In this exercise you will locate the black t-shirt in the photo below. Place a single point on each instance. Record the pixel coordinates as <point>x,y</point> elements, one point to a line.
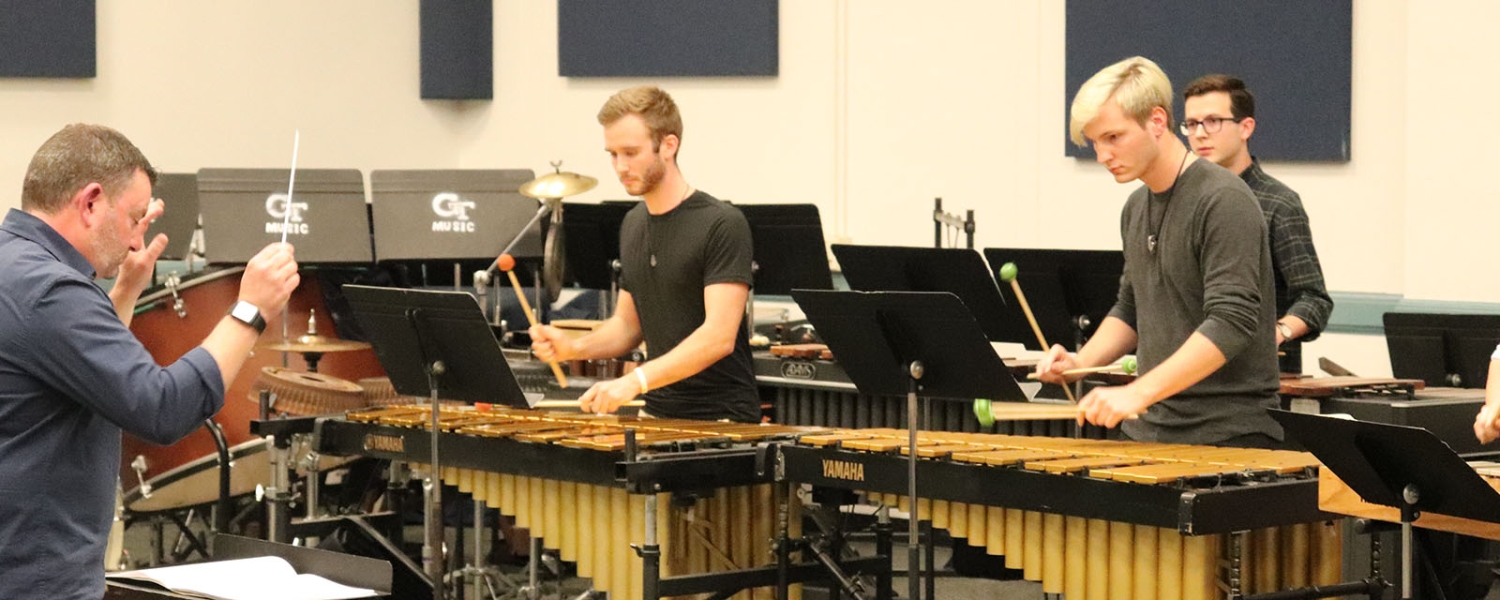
<point>666,262</point>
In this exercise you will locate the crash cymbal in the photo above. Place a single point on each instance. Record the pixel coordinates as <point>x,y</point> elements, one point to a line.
<point>314,343</point>
<point>558,184</point>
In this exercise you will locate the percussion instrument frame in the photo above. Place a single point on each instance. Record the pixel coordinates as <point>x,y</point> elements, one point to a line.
<point>1189,510</point>
<point>688,471</point>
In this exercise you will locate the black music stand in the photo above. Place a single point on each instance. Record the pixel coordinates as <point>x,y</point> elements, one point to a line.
<point>593,249</point>
<point>789,249</point>
<point>1406,468</point>
<point>1071,291</point>
<point>960,272</point>
<point>435,344</point>
<point>593,242</point>
<point>909,343</point>
<point>180,193</point>
<point>1445,350</point>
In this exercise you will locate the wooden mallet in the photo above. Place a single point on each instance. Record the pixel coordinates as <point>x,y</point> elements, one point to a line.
<point>507,263</point>
<point>574,404</point>
<point>1008,273</point>
<point>1127,366</point>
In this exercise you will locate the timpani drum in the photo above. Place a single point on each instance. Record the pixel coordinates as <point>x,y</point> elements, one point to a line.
<point>171,320</point>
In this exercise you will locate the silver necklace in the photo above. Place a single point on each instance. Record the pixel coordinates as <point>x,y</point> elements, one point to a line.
<point>1152,237</point>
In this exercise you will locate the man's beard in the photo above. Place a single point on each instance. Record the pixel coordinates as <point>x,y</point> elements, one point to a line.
<point>651,178</point>
<point>112,250</point>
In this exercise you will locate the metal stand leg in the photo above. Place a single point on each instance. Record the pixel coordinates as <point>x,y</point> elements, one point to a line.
<point>929,572</point>
<point>533,568</point>
<point>913,540</point>
<point>783,541</point>
<point>883,547</point>
<point>478,572</point>
<point>1410,496</point>
<point>650,554</point>
<point>278,495</point>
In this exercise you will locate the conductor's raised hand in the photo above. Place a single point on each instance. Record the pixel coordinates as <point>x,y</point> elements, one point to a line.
<point>1050,368</point>
<point>136,269</point>
<point>608,396</point>
<point>551,344</point>
<point>269,279</point>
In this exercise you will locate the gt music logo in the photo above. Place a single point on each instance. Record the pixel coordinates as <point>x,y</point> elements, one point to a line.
<point>454,211</point>
<point>280,208</point>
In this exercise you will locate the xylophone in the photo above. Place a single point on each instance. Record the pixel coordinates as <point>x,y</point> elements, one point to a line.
<point>591,486</point>
<point>1099,518</point>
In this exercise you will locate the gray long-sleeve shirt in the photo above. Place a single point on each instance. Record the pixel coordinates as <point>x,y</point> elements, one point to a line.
<point>71,377</point>
<point>1210,273</point>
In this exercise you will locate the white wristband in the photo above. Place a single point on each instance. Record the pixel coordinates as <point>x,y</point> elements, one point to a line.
<point>641,375</point>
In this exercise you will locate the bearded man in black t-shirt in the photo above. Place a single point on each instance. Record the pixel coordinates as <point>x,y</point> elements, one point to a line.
<point>684,280</point>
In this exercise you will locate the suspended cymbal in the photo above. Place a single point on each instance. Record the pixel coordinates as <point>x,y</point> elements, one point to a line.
<point>558,184</point>
<point>314,343</point>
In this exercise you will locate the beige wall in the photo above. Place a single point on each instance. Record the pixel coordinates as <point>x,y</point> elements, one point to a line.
<point>881,105</point>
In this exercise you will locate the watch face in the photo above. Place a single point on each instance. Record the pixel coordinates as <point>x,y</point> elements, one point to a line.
<point>245,311</point>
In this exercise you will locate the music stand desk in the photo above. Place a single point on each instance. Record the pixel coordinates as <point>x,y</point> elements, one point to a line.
<point>435,344</point>
<point>912,344</point>
<point>961,272</point>
<point>1406,469</point>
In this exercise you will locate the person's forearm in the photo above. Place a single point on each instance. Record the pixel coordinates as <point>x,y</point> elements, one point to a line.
<point>1196,359</point>
<point>698,351</point>
<point>1294,326</point>
<point>612,339</point>
<point>1113,339</point>
<point>230,343</point>
<point>124,300</point>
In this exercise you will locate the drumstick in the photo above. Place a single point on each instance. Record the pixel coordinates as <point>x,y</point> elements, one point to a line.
<point>1008,273</point>
<point>1127,366</point>
<point>574,403</point>
<point>507,263</point>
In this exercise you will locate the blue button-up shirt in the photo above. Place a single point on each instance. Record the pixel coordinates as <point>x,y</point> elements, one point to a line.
<point>71,377</point>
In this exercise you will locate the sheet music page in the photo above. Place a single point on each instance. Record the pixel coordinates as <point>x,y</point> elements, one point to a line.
<point>259,578</point>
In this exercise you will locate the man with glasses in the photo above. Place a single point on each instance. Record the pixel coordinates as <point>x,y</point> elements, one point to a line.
<point>1195,296</point>
<point>1219,118</point>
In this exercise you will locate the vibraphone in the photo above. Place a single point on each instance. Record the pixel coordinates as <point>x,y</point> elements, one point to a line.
<point>806,387</point>
<point>591,490</point>
<point>1098,518</point>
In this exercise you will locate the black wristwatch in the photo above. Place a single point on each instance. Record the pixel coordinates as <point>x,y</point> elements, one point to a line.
<point>248,314</point>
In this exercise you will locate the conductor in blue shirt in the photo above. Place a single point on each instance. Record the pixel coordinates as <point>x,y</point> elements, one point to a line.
<point>72,376</point>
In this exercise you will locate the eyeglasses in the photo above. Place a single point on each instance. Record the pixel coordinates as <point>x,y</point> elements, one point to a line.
<point>1210,124</point>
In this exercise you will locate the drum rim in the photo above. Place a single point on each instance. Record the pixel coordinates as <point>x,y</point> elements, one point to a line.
<point>160,291</point>
<point>192,467</point>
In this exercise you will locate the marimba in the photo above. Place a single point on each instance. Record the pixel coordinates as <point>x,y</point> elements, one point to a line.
<point>591,487</point>
<point>1099,518</point>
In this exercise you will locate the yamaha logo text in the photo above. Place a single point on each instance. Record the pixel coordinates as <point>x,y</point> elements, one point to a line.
<point>385,443</point>
<point>843,469</point>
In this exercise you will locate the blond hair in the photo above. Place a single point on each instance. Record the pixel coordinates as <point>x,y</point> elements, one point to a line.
<point>653,105</point>
<point>1136,83</point>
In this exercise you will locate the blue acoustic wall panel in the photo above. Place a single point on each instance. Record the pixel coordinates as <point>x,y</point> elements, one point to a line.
<point>667,38</point>
<point>47,38</point>
<point>1294,55</point>
<point>458,49</point>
